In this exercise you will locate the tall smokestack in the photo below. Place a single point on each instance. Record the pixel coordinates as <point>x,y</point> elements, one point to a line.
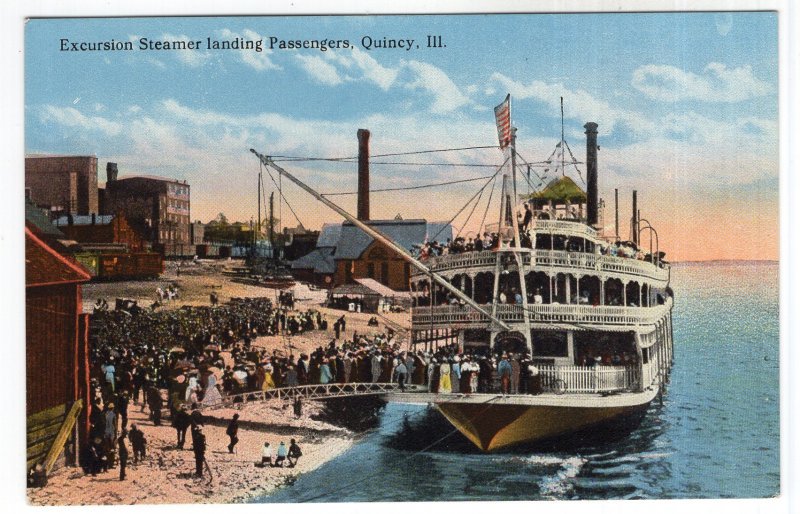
<point>591,172</point>
<point>363,174</point>
<point>635,220</point>
<point>111,172</point>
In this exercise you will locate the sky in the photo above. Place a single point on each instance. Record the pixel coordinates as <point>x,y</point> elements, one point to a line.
<point>686,103</point>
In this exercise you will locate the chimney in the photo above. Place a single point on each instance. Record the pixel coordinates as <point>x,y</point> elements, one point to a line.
<point>111,172</point>
<point>363,174</point>
<point>591,172</point>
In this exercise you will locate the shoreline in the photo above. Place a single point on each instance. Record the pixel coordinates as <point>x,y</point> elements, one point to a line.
<point>166,474</point>
<point>165,477</point>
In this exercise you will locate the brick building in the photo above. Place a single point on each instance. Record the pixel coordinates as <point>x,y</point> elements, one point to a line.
<point>345,253</point>
<point>157,208</point>
<point>102,230</point>
<point>62,183</point>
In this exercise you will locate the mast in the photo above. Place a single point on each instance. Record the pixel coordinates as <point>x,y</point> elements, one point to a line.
<point>402,252</point>
<point>509,239</point>
<point>563,166</point>
<point>257,235</point>
<point>271,225</point>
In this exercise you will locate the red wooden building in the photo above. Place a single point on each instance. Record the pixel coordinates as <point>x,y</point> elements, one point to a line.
<point>57,371</point>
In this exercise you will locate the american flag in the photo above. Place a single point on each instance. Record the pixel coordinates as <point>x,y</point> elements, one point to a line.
<point>502,113</point>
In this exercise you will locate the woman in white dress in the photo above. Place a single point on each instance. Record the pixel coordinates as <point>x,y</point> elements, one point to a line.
<point>212,395</point>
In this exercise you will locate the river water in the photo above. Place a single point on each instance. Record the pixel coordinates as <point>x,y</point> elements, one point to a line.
<point>716,435</point>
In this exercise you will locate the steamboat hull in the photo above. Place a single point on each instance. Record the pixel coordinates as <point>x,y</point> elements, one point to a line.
<point>507,423</point>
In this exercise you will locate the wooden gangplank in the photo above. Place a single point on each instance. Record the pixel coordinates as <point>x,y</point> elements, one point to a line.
<point>312,392</point>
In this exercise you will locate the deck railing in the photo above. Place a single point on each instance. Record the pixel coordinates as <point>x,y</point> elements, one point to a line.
<point>583,379</point>
<point>552,259</point>
<point>457,316</point>
<point>307,392</point>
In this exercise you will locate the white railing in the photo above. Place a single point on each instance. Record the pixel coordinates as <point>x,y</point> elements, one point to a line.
<point>570,228</point>
<point>552,259</point>
<point>310,392</point>
<point>583,379</point>
<point>649,372</point>
<point>460,260</point>
<point>456,316</point>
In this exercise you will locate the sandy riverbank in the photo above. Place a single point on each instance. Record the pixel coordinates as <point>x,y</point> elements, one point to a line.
<point>166,475</point>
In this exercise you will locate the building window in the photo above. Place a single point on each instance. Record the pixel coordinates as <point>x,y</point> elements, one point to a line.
<point>385,273</point>
<point>371,270</point>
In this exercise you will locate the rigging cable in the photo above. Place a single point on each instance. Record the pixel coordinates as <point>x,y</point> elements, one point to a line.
<point>412,187</point>
<point>280,192</point>
<point>284,158</point>
<point>470,200</point>
<point>339,487</point>
<point>575,165</point>
<point>488,204</point>
<point>470,214</point>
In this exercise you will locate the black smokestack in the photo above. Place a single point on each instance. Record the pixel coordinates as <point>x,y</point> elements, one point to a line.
<point>111,172</point>
<point>591,172</point>
<point>363,174</point>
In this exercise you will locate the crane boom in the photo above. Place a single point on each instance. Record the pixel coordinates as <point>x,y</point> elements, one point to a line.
<point>383,239</point>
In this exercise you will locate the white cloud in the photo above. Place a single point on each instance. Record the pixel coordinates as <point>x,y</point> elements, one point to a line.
<point>335,68</point>
<point>579,104</point>
<point>373,71</point>
<point>446,95</point>
<point>259,61</point>
<point>320,69</point>
<point>718,83</point>
<point>71,117</point>
<point>191,58</point>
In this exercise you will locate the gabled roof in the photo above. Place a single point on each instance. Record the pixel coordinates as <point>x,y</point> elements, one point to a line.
<point>406,233</point>
<point>319,259</point>
<point>40,221</point>
<point>44,266</point>
<point>329,235</point>
<point>380,288</point>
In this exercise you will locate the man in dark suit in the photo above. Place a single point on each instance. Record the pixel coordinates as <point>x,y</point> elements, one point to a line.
<point>232,432</point>
<point>199,448</point>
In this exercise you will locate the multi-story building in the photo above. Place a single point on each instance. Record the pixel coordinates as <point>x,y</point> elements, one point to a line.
<point>62,184</point>
<point>156,207</point>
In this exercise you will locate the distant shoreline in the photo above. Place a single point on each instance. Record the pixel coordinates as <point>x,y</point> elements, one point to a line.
<point>728,261</point>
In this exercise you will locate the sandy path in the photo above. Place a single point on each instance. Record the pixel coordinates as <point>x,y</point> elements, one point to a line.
<point>166,474</point>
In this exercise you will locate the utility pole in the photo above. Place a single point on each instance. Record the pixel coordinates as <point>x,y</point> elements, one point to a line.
<point>271,223</point>
<point>258,227</point>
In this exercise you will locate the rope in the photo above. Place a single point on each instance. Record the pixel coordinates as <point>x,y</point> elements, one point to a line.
<point>575,164</point>
<point>280,191</point>
<point>487,208</point>
<point>438,184</point>
<point>470,213</point>
<point>340,486</point>
<point>285,158</point>
<point>470,200</point>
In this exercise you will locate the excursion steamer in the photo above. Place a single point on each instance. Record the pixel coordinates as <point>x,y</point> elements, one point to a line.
<point>590,312</point>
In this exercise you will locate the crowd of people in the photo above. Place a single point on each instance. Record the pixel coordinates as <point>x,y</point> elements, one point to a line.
<point>196,354</point>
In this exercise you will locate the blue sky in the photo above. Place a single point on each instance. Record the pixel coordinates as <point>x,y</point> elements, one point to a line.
<point>686,103</point>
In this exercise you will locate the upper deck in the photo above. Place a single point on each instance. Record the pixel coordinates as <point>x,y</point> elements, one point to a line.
<point>602,316</point>
<point>554,261</point>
